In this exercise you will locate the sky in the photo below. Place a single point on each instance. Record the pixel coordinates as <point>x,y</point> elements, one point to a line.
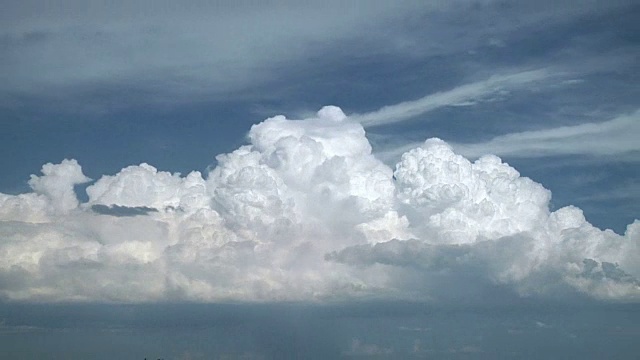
<point>376,166</point>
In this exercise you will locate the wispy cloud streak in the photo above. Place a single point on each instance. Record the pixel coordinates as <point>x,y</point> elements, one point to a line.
<point>463,95</point>
<point>616,136</point>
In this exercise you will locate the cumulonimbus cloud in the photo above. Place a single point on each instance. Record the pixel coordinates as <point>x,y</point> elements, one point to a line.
<point>305,212</point>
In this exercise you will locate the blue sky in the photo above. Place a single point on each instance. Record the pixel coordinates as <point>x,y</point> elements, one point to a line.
<point>125,84</point>
<point>319,205</point>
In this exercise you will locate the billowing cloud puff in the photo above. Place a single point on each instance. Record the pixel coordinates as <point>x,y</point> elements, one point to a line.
<point>52,194</point>
<point>144,185</point>
<point>463,201</point>
<point>306,212</point>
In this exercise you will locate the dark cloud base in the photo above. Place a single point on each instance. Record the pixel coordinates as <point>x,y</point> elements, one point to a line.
<point>115,210</point>
<point>368,330</point>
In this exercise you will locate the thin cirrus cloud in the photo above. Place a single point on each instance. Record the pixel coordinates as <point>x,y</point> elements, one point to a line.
<point>611,137</point>
<point>463,95</point>
<point>306,212</point>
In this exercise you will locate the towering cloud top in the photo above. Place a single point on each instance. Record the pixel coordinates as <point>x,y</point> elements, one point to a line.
<point>306,212</point>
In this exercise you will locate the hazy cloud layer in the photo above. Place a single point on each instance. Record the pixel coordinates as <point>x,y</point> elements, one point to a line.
<point>168,54</point>
<point>306,212</point>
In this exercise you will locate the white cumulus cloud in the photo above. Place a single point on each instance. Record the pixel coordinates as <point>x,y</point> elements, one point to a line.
<point>306,212</point>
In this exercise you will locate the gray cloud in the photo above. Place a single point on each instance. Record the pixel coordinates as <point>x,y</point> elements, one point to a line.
<point>408,253</point>
<point>116,210</point>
